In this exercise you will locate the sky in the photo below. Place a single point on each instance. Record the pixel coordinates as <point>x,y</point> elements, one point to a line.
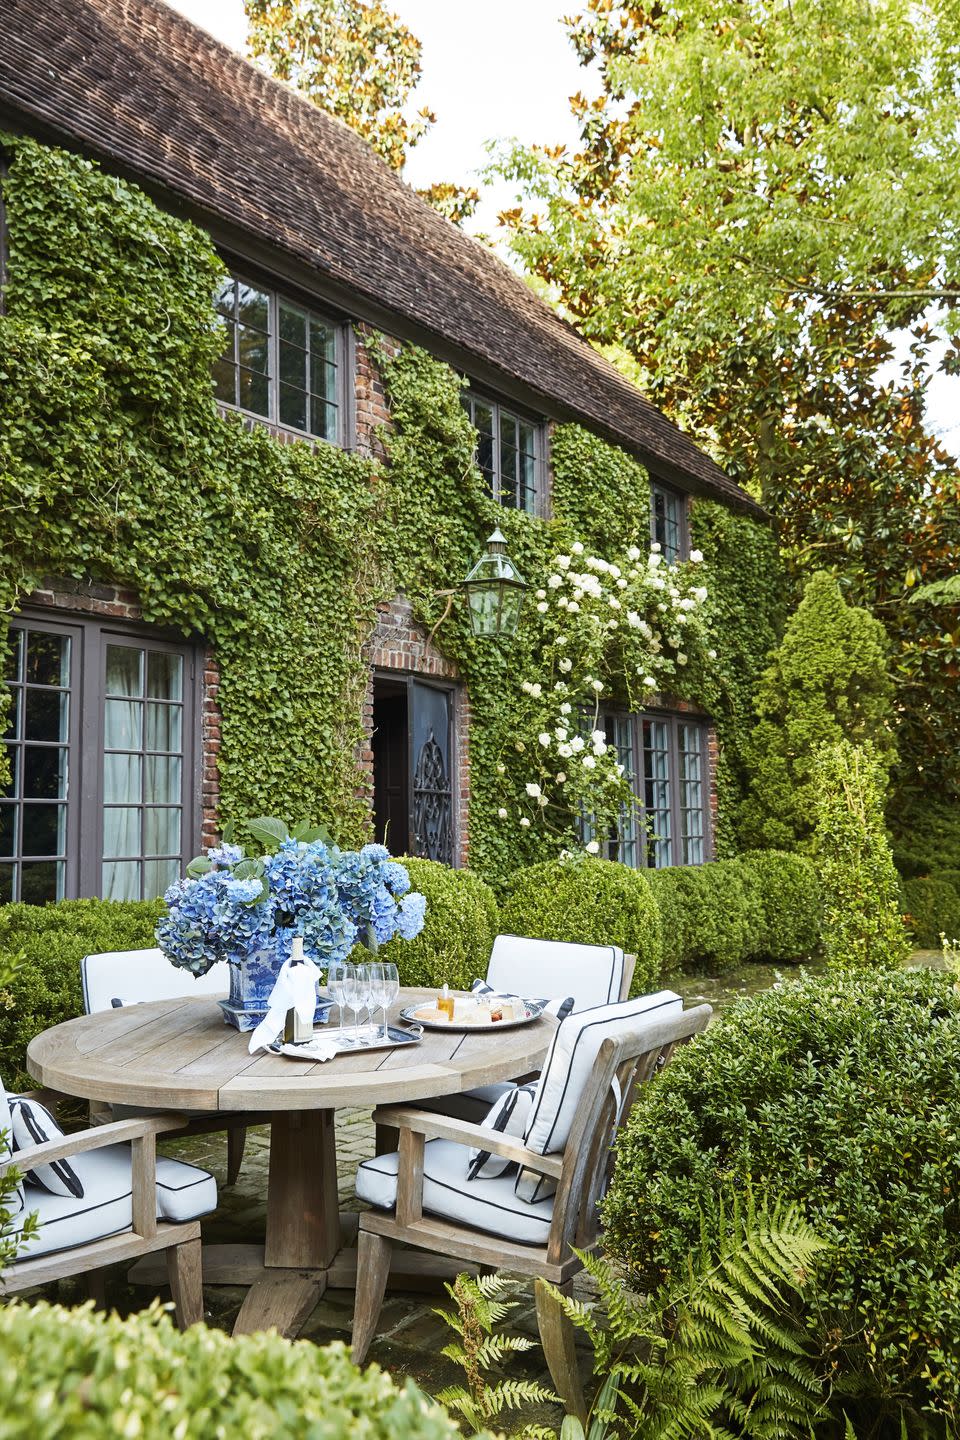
<point>501,71</point>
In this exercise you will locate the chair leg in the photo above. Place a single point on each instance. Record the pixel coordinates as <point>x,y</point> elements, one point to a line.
<point>186,1282</point>
<point>373,1267</point>
<point>236,1140</point>
<point>556,1337</point>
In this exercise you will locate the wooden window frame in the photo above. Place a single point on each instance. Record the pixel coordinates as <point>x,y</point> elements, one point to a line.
<point>682,499</point>
<point>672,719</point>
<point>473,396</point>
<point>343,353</point>
<point>90,636</point>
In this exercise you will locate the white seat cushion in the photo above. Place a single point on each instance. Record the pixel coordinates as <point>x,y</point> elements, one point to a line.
<point>488,1205</point>
<point>592,974</point>
<point>570,1059</point>
<point>184,1192</point>
<point>115,978</point>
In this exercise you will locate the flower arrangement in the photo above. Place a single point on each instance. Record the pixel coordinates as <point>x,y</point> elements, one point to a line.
<point>609,633</point>
<point>247,909</point>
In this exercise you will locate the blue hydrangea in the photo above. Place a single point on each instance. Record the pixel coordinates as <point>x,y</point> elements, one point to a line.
<point>329,897</point>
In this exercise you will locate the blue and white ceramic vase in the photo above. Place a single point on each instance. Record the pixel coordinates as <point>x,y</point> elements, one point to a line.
<point>251,985</point>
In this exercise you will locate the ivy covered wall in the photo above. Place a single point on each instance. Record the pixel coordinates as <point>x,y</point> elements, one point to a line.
<point>117,466</point>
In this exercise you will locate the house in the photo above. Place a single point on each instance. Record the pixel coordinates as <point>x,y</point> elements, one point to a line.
<point>128,737</point>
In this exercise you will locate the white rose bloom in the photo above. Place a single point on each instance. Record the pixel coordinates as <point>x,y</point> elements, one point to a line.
<point>564,751</point>
<point>592,847</point>
<point>501,768</point>
<point>563,562</point>
<point>649,681</point>
<point>561,639</point>
<point>597,685</point>
<point>576,548</point>
<point>711,654</point>
<point>633,553</point>
<point>561,778</point>
<point>653,560</point>
<point>524,823</point>
<point>655,645</point>
<point>696,556</point>
<point>688,604</point>
<point>614,603</point>
<point>555,582</point>
<point>681,658</point>
<point>501,813</point>
<point>541,594</point>
<point>542,607</point>
<point>544,739</point>
<point>673,592</point>
<point>566,666</point>
<point>612,625</point>
<point>614,571</point>
<point>536,690</point>
<point>565,708</point>
<point>700,593</point>
<point>533,789</point>
<point>561,688</point>
<point>577,744</point>
<point>657,584</point>
<point>578,594</point>
<point>644,629</point>
<point>598,737</point>
<point>561,731</point>
<point>526,687</point>
<point>655,547</point>
<point>588,762</point>
<point>600,749</point>
<point>621,583</point>
<point>682,618</point>
<point>620,769</point>
<point>573,607</point>
<point>563,602</point>
<point>542,801</point>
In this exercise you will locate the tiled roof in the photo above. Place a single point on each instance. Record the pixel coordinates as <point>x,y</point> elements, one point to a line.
<point>137,85</point>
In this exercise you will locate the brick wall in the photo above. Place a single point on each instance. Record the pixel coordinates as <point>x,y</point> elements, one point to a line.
<point>399,644</point>
<point>370,396</point>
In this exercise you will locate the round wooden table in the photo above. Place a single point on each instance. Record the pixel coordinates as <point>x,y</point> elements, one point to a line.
<point>179,1055</point>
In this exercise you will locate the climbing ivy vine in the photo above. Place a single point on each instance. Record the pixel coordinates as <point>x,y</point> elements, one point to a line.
<point>116,465</point>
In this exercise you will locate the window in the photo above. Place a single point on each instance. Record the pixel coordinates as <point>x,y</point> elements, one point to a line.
<point>664,758</point>
<point>508,451</point>
<point>668,522</point>
<point>101,747</point>
<point>280,360</point>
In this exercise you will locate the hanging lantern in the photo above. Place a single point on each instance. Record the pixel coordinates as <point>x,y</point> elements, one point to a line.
<point>494,590</point>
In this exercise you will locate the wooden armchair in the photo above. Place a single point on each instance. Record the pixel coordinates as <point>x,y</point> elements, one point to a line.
<point>568,1218</point>
<point>123,1196</point>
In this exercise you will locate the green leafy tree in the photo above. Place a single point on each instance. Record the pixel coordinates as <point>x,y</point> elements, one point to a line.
<point>862,924</point>
<point>828,681</point>
<point>354,58</point>
<point>761,197</point>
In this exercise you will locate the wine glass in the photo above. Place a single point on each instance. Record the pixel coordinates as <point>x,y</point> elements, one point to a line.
<point>358,997</point>
<point>339,977</point>
<point>391,989</point>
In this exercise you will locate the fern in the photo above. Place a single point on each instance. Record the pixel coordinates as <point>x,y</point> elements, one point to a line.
<point>479,1308</point>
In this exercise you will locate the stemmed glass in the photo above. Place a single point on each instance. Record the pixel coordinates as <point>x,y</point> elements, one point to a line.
<point>341,978</point>
<point>384,989</point>
<point>360,991</point>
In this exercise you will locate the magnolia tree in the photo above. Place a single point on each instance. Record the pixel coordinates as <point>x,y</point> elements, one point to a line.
<point>610,634</point>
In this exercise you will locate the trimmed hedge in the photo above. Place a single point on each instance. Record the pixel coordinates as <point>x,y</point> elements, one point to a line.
<point>78,1373</point>
<point>926,835</point>
<point>932,905</point>
<point>592,901</point>
<point>790,902</point>
<point>50,941</point>
<point>458,934</point>
<point>839,1095</point>
<point>715,911</point>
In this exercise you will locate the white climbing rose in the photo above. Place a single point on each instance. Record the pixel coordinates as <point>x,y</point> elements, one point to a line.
<point>533,789</point>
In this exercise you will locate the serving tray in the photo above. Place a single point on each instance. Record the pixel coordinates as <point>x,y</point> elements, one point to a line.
<point>314,1051</point>
<point>418,1015</point>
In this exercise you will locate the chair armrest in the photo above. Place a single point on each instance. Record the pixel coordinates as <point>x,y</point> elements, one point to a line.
<point>443,1127</point>
<point>96,1139</point>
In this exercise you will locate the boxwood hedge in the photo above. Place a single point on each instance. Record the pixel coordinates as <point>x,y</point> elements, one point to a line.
<point>839,1095</point>
<point>593,901</point>
<point>83,1375</point>
<point>458,934</point>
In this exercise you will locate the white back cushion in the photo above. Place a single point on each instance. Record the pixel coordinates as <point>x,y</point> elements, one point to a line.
<point>573,1050</point>
<point>15,1198</point>
<point>592,974</point>
<point>132,976</point>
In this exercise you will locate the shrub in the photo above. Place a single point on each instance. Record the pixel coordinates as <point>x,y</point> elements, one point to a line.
<point>862,921</point>
<point>828,681</point>
<point>595,902</point>
<point>51,940</point>
<point>461,925</point>
<point>838,1095</point>
<point>790,902</point>
<point>713,914</point>
<point>932,904</point>
<point>926,835</point>
<point>68,1373</point>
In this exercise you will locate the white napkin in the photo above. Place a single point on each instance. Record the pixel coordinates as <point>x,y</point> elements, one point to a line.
<point>296,989</point>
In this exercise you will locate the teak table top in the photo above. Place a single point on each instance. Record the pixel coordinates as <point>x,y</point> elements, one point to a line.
<point>179,1055</point>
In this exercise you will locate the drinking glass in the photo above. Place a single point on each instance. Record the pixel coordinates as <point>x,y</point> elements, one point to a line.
<point>360,990</point>
<point>391,989</point>
<point>341,979</point>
